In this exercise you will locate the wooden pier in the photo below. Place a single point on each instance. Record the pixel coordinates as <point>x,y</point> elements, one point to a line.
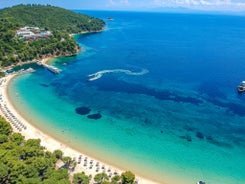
<point>51,68</point>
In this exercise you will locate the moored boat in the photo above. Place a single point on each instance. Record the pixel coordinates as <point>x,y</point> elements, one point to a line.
<point>200,182</point>
<point>241,87</point>
<point>53,69</point>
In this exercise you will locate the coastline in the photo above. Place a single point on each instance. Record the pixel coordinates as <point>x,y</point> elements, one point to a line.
<point>48,59</point>
<point>199,158</point>
<point>51,143</point>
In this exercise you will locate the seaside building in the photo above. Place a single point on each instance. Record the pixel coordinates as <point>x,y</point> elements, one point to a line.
<point>32,33</point>
<point>30,28</point>
<point>59,164</point>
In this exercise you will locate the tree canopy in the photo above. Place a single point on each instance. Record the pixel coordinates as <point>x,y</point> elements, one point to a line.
<point>128,177</point>
<point>52,18</point>
<point>26,161</point>
<point>81,178</point>
<point>59,21</point>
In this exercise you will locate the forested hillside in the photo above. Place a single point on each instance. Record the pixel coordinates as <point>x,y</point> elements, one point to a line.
<point>14,50</point>
<point>52,18</point>
<point>27,162</point>
<point>59,21</point>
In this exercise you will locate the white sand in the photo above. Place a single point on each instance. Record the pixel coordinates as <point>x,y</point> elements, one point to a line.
<point>51,144</point>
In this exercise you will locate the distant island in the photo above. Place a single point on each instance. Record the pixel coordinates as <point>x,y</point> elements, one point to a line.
<point>45,32</point>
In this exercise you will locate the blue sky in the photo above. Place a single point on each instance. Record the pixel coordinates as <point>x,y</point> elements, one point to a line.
<point>224,5</point>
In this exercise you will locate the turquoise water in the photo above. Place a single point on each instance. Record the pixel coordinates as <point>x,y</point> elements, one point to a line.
<point>180,122</point>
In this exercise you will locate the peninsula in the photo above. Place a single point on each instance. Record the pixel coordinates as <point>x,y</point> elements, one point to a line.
<point>54,26</point>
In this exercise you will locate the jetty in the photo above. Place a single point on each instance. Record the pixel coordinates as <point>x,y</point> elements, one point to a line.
<point>51,68</point>
<point>241,87</point>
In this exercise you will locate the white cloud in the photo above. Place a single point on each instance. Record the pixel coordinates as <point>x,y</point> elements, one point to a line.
<point>227,4</point>
<point>111,2</point>
<point>115,3</point>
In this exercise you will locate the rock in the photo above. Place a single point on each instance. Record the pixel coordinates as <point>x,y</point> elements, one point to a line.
<point>199,135</point>
<point>94,116</point>
<point>83,110</point>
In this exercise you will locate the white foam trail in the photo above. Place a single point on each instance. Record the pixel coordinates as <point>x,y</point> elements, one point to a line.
<point>97,75</point>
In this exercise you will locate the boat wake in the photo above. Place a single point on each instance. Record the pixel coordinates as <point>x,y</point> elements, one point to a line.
<point>97,75</point>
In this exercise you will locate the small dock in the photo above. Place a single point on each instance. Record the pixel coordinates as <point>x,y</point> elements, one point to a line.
<point>51,68</point>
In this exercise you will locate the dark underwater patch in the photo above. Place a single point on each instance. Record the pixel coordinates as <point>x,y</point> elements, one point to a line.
<point>44,85</point>
<point>95,116</point>
<point>219,143</point>
<point>209,138</point>
<point>147,122</point>
<point>189,128</point>
<point>211,90</point>
<point>111,84</point>
<point>186,137</point>
<point>199,135</point>
<point>232,107</point>
<point>83,110</point>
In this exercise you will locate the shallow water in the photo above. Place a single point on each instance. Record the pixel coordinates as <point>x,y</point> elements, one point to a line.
<point>183,118</point>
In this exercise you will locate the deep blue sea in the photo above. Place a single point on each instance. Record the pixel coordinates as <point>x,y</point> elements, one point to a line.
<point>164,103</point>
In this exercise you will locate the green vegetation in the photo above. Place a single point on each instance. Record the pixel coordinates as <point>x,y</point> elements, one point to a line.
<point>51,18</point>
<point>101,177</point>
<point>13,50</point>
<point>2,74</point>
<point>81,178</point>
<point>128,177</point>
<point>115,179</point>
<point>27,162</point>
<point>60,21</point>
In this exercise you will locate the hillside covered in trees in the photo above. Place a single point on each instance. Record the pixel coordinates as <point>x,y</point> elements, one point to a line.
<point>27,162</point>
<point>59,21</point>
<point>52,18</point>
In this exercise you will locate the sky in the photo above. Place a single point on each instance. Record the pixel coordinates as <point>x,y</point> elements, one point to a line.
<point>209,5</point>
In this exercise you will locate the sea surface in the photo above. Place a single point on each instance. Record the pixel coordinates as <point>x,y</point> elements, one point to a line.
<point>164,103</point>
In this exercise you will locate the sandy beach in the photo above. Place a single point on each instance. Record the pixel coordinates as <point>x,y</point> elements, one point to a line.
<point>88,164</point>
